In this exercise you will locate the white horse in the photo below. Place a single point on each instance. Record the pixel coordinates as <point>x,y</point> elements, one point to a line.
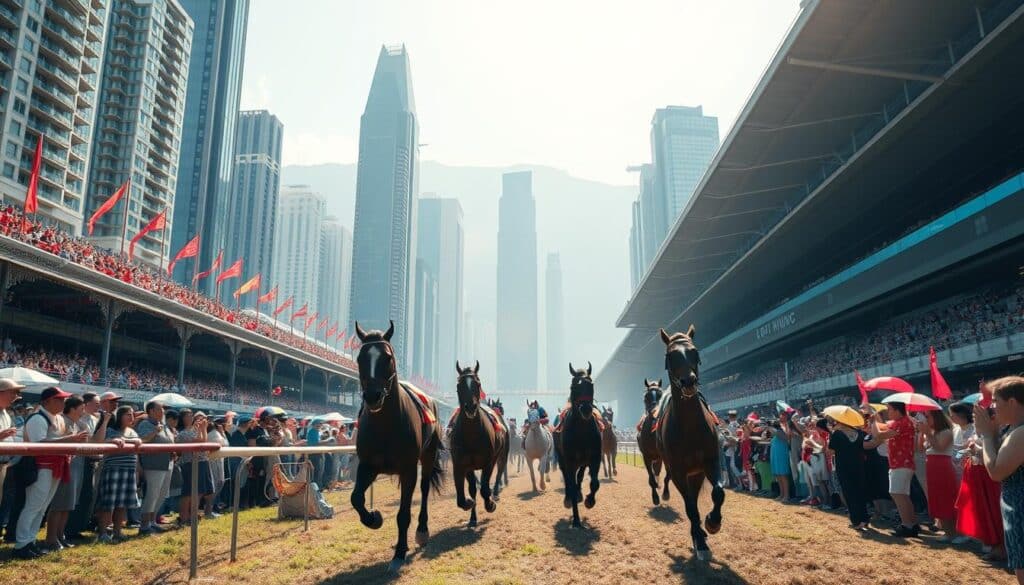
<point>538,446</point>
<point>516,452</point>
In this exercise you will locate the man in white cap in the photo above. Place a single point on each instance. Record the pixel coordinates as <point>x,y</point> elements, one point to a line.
<point>109,401</point>
<point>44,427</point>
<point>10,391</point>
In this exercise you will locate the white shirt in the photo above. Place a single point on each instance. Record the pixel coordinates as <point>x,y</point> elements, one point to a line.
<point>44,428</point>
<point>6,422</point>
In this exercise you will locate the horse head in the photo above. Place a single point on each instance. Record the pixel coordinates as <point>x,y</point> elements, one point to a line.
<point>468,388</point>
<point>682,361</point>
<point>581,391</point>
<point>378,370</point>
<point>496,406</point>
<point>652,394</point>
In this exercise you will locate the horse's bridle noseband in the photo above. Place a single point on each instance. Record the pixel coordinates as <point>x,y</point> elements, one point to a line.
<point>472,376</point>
<point>386,387</point>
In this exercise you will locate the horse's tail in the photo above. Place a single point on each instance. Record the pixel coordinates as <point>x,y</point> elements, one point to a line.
<point>437,471</point>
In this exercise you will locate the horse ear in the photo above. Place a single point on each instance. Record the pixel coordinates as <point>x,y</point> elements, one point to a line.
<point>390,331</point>
<point>476,370</point>
<point>646,383</point>
<point>691,331</point>
<point>458,370</point>
<point>659,383</point>
<point>665,338</point>
<point>360,333</point>
<point>590,369</point>
<point>572,370</point>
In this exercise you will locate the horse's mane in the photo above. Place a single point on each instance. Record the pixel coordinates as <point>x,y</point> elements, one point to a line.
<point>374,335</point>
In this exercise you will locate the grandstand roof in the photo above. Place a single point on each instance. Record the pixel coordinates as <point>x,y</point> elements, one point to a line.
<point>856,116</point>
<point>832,81</point>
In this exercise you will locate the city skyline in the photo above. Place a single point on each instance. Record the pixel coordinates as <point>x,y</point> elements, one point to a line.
<point>518,320</point>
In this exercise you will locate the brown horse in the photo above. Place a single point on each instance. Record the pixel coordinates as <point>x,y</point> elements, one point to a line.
<point>578,443</point>
<point>475,444</point>
<point>687,438</point>
<point>609,444</point>
<point>502,478</point>
<point>396,434</point>
<point>648,443</point>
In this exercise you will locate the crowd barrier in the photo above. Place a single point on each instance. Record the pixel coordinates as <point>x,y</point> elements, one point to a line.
<point>215,451</point>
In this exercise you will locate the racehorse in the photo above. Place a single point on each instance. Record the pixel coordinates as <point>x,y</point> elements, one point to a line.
<point>609,444</point>
<point>538,447</point>
<point>516,453</point>
<point>687,439</point>
<point>502,478</point>
<point>579,443</point>
<point>478,441</point>
<point>648,443</point>
<point>397,430</point>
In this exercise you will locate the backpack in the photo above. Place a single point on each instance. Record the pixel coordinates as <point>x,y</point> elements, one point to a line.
<point>26,470</point>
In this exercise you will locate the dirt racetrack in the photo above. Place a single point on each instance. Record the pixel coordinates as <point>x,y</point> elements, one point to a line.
<point>529,540</point>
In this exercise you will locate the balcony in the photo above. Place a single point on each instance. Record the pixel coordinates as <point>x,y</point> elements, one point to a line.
<point>9,16</point>
<point>159,168</point>
<point>77,169</point>
<point>90,65</point>
<point>8,39</point>
<point>55,73</point>
<point>51,113</point>
<point>61,35</point>
<point>81,151</point>
<point>74,22</point>
<point>92,48</point>
<point>54,92</point>
<point>5,60</point>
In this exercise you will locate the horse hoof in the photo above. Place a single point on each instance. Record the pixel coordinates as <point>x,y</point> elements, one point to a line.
<point>703,555</point>
<point>395,567</point>
<point>657,501</point>
<point>375,521</point>
<point>576,523</point>
<point>712,527</point>
<point>422,536</point>
<point>590,501</point>
<point>472,524</point>
<point>490,506</point>
<point>615,472</point>
<point>567,502</point>
<point>665,495</point>
<point>468,505</point>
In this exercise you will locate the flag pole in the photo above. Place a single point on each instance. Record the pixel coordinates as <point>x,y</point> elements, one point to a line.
<point>163,242</point>
<point>124,222</point>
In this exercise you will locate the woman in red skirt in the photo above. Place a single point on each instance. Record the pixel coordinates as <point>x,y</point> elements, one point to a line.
<point>977,504</point>
<point>937,439</point>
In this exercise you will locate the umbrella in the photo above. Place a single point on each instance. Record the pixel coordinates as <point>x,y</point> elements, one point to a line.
<point>172,400</point>
<point>914,402</point>
<point>890,383</point>
<point>877,407</point>
<point>273,410</point>
<point>27,376</point>
<point>783,407</point>
<point>331,417</point>
<point>844,414</point>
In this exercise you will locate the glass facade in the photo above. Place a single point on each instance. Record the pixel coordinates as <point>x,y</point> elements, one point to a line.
<point>517,284</point>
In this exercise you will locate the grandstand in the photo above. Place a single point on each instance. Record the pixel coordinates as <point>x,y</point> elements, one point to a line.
<point>863,208</point>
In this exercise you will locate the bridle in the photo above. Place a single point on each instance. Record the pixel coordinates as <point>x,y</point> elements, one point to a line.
<point>580,401</point>
<point>677,383</point>
<point>470,375</point>
<point>386,386</point>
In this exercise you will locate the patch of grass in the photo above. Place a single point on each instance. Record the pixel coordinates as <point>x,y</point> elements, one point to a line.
<point>530,549</point>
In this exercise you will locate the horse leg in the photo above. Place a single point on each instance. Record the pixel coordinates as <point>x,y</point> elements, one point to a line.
<point>471,479</point>
<point>460,473</point>
<point>544,469</point>
<point>690,496</point>
<point>615,457</point>
<point>595,483</point>
<point>580,473</point>
<point>652,480</point>
<point>533,480</point>
<point>485,487</point>
<point>408,486</point>
<point>607,465</point>
<point>665,493</point>
<point>364,478</point>
<point>426,470</point>
<point>714,518</point>
<point>570,490</point>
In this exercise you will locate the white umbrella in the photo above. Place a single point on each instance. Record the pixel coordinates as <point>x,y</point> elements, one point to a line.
<point>27,376</point>
<point>915,402</point>
<point>172,400</point>
<point>332,417</point>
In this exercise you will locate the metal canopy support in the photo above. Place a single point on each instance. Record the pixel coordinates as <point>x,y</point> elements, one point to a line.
<point>767,128</point>
<point>722,196</point>
<point>778,163</point>
<point>327,383</point>
<point>235,348</point>
<point>112,310</point>
<point>185,333</point>
<point>272,365</point>
<point>856,69</point>
<point>303,368</point>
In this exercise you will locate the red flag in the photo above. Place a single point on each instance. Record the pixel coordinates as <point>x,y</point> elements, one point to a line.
<point>156,224</point>
<point>109,204</point>
<point>233,271</point>
<point>32,196</point>
<point>330,332</point>
<point>287,303</point>
<point>252,283</point>
<point>309,321</point>
<point>341,335</point>
<point>301,312</point>
<point>940,389</point>
<point>266,298</point>
<point>860,386</point>
<point>986,394</point>
<point>322,324</point>
<point>189,250</point>
<point>215,266</point>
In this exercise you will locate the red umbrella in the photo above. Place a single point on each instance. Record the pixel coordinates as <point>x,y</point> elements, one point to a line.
<point>890,383</point>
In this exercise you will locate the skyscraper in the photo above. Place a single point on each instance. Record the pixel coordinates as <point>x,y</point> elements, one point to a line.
<point>425,335</point>
<point>387,188</point>
<point>297,245</point>
<point>335,270</point>
<point>252,222</point>
<point>654,220</point>
<point>683,142</point>
<point>141,108</point>
<point>636,247</point>
<point>554,312</point>
<point>440,245</point>
<point>50,78</point>
<point>202,199</point>
<point>517,284</point>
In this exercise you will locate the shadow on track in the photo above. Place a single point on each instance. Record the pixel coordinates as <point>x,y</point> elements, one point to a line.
<point>452,538</point>
<point>529,495</point>
<point>694,571</point>
<point>664,514</point>
<point>376,573</point>
<point>576,540</point>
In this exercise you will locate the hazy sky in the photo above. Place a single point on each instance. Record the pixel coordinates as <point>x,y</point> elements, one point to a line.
<point>566,83</point>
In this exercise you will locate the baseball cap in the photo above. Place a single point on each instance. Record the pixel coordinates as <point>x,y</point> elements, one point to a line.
<point>731,413</point>
<point>244,419</point>
<point>53,392</point>
<point>110,396</point>
<point>220,420</point>
<point>9,384</point>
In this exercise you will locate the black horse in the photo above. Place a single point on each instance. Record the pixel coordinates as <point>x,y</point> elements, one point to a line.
<point>648,443</point>
<point>395,434</point>
<point>476,443</point>
<point>687,438</point>
<point>499,409</point>
<point>578,444</point>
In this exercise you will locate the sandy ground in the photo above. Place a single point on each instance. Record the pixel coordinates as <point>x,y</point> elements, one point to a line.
<point>529,540</point>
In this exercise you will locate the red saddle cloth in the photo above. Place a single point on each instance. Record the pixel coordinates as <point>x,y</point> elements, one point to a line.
<point>491,415</point>
<point>423,403</point>
<point>597,420</point>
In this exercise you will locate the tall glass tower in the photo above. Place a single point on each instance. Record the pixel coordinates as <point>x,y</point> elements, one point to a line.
<point>387,190</point>
<point>517,283</point>
<point>203,198</point>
